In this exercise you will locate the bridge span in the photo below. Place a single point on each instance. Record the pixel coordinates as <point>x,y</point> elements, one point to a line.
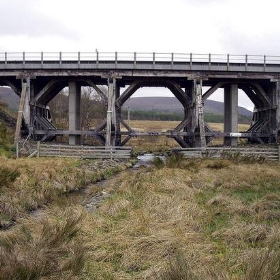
<point>38,77</point>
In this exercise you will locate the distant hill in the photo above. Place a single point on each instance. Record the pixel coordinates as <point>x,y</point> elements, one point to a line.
<point>172,105</point>
<point>9,97</point>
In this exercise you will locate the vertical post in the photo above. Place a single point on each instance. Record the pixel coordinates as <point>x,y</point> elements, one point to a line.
<point>246,62</point>
<point>278,152</point>
<point>264,63</point>
<point>6,58</point>
<point>117,115</point>
<point>277,102</point>
<point>154,58</point>
<point>172,59</point>
<point>110,109</point>
<point>60,57</point>
<point>227,62</point>
<point>231,113</point>
<point>97,58</point>
<point>74,113</point>
<point>79,58</point>
<point>200,114</point>
<point>23,58</point>
<point>17,149</point>
<point>38,148</point>
<point>209,58</point>
<point>191,61</point>
<point>116,58</point>
<point>128,111</point>
<point>42,58</point>
<point>134,59</point>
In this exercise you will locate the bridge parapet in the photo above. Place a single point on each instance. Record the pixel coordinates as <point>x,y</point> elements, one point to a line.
<point>140,60</point>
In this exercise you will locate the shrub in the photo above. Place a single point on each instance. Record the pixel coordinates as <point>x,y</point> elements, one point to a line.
<point>175,160</point>
<point>158,162</point>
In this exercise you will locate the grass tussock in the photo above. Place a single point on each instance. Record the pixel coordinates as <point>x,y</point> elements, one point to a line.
<point>54,250</point>
<point>263,264</point>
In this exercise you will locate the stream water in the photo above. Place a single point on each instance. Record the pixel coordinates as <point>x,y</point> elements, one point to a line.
<point>146,160</point>
<point>92,195</point>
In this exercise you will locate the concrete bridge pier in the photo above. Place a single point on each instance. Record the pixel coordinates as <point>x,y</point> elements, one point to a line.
<point>74,112</point>
<point>230,113</point>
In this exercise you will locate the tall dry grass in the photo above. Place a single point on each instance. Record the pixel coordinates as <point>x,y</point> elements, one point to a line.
<point>191,219</point>
<point>213,212</point>
<point>50,249</point>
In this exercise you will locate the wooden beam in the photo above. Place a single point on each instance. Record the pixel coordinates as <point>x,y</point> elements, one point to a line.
<point>20,113</point>
<point>210,91</point>
<point>98,90</point>
<point>200,114</point>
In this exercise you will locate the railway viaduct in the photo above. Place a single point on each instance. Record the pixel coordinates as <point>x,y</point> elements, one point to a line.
<point>38,77</point>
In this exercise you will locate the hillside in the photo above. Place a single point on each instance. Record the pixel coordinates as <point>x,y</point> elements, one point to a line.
<point>172,105</point>
<point>9,97</point>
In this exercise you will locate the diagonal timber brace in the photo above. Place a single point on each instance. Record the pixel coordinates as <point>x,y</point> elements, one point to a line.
<point>98,90</point>
<point>211,90</point>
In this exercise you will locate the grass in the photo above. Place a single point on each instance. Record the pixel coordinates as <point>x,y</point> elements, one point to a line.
<point>156,223</point>
<point>6,141</point>
<point>50,249</point>
<point>192,208</point>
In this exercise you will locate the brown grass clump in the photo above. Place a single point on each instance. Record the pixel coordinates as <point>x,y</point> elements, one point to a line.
<point>263,264</point>
<point>52,250</point>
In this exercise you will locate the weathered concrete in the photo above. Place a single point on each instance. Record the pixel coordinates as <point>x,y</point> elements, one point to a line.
<point>74,112</point>
<point>231,113</point>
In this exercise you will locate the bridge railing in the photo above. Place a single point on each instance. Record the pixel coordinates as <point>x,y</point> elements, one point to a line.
<point>151,57</point>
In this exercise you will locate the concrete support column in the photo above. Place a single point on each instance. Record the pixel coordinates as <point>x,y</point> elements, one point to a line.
<point>74,112</point>
<point>231,113</point>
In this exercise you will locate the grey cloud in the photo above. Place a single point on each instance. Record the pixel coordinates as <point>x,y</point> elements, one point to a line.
<point>246,43</point>
<point>22,18</point>
<point>204,2</point>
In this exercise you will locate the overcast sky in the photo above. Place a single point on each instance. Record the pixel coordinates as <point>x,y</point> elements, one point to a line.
<point>197,26</point>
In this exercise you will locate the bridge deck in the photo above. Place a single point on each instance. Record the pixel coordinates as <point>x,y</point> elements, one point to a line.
<point>139,61</point>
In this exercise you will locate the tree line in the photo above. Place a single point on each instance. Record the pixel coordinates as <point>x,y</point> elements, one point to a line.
<point>171,116</point>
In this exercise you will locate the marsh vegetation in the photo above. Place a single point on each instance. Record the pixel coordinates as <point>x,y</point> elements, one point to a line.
<point>179,219</point>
